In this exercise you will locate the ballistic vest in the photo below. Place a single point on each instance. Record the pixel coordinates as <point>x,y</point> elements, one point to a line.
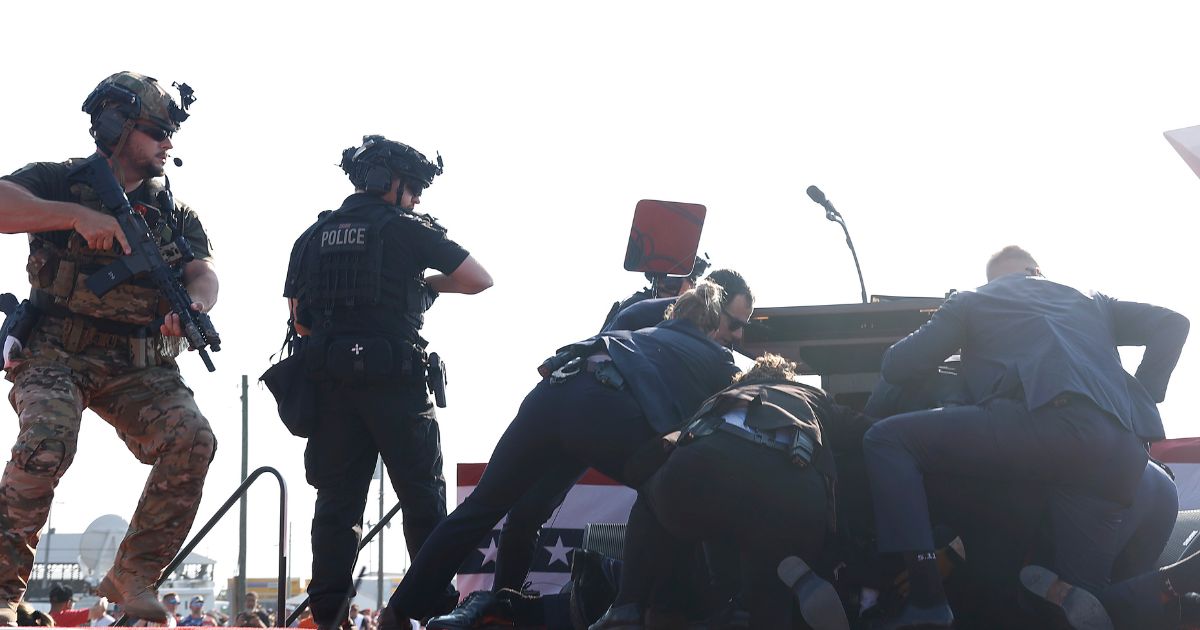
<point>60,263</point>
<point>343,282</point>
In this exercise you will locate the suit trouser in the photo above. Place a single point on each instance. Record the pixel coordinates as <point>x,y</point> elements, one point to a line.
<point>1090,464</point>
<point>1135,599</point>
<point>724,487</point>
<point>559,431</point>
<point>357,424</point>
<point>522,528</point>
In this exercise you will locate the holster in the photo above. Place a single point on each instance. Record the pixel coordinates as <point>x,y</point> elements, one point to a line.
<point>20,319</point>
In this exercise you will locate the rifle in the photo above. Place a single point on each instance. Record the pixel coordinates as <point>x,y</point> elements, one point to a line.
<point>145,257</point>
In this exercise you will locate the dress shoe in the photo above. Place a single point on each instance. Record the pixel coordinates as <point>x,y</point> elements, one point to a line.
<point>481,609</point>
<point>623,617</point>
<point>819,602</point>
<point>1069,604</point>
<point>136,595</point>
<point>936,616</point>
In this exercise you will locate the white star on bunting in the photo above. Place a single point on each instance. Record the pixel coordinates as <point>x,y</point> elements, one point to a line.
<point>558,552</point>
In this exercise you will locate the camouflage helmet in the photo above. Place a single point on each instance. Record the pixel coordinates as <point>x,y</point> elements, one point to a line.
<point>372,165</point>
<point>139,97</point>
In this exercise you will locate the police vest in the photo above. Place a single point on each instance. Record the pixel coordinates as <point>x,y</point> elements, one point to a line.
<point>61,269</point>
<point>344,282</point>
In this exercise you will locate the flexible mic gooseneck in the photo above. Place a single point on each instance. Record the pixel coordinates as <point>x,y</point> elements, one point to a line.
<point>832,214</point>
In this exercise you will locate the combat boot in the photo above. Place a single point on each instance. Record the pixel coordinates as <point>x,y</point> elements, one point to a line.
<point>136,595</point>
<point>8,612</point>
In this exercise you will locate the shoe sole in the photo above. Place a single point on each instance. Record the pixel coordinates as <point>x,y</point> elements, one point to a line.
<point>819,602</point>
<point>1081,609</point>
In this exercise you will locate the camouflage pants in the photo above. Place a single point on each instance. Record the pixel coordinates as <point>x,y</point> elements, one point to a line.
<point>153,412</point>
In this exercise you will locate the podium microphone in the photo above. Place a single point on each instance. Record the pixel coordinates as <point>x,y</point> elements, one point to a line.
<point>816,195</point>
<point>832,214</point>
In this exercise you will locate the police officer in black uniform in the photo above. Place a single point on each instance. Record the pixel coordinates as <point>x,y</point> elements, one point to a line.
<point>357,291</point>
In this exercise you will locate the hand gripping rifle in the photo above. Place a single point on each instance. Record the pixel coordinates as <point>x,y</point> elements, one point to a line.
<point>145,257</point>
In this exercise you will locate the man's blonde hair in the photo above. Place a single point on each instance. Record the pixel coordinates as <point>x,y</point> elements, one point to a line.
<point>1012,253</point>
<point>768,367</point>
<point>701,305</point>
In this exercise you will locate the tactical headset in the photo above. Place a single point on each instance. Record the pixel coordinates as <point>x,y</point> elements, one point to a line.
<point>109,125</point>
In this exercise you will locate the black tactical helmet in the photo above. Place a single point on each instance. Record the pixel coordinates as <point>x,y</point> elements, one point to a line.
<point>698,268</point>
<point>372,166</point>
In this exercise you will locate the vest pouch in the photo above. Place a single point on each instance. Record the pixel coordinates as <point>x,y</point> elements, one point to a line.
<point>41,268</point>
<point>359,359</point>
<point>126,303</point>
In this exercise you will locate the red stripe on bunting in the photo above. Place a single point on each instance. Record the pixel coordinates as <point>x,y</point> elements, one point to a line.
<point>469,474</point>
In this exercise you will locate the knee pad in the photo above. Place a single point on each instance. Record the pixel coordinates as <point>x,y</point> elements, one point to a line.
<point>44,451</point>
<point>198,444</point>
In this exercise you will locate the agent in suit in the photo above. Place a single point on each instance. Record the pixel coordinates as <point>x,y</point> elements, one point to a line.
<point>1054,406</point>
<point>607,397</point>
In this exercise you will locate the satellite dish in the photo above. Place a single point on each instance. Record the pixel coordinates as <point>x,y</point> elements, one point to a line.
<point>99,542</point>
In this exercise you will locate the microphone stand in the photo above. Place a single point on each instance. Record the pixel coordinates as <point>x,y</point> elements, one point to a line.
<point>836,217</point>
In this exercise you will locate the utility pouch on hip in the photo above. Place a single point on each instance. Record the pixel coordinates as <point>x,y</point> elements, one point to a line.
<point>295,394</point>
<point>358,359</point>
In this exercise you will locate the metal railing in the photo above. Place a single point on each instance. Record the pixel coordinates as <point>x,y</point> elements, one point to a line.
<point>361,544</point>
<point>238,494</point>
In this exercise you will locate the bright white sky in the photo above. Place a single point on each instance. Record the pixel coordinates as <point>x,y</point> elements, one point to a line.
<point>941,130</point>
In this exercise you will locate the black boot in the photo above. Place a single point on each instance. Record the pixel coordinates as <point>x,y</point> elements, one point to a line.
<point>389,620</point>
<point>926,607</point>
<point>481,609</point>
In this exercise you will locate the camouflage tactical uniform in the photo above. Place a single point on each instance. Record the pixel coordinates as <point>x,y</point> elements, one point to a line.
<point>99,353</point>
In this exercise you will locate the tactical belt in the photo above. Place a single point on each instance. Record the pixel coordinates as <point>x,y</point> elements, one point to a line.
<point>45,303</point>
<point>605,372</point>
<point>799,450</point>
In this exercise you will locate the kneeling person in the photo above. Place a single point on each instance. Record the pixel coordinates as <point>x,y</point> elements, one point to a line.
<point>754,466</point>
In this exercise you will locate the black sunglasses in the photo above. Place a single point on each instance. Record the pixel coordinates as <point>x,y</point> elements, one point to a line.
<point>156,133</point>
<point>735,324</point>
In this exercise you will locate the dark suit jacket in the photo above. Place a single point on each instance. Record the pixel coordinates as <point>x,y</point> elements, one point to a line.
<point>1029,338</point>
<point>785,404</point>
<point>643,314</point>
<point>670,369</point>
